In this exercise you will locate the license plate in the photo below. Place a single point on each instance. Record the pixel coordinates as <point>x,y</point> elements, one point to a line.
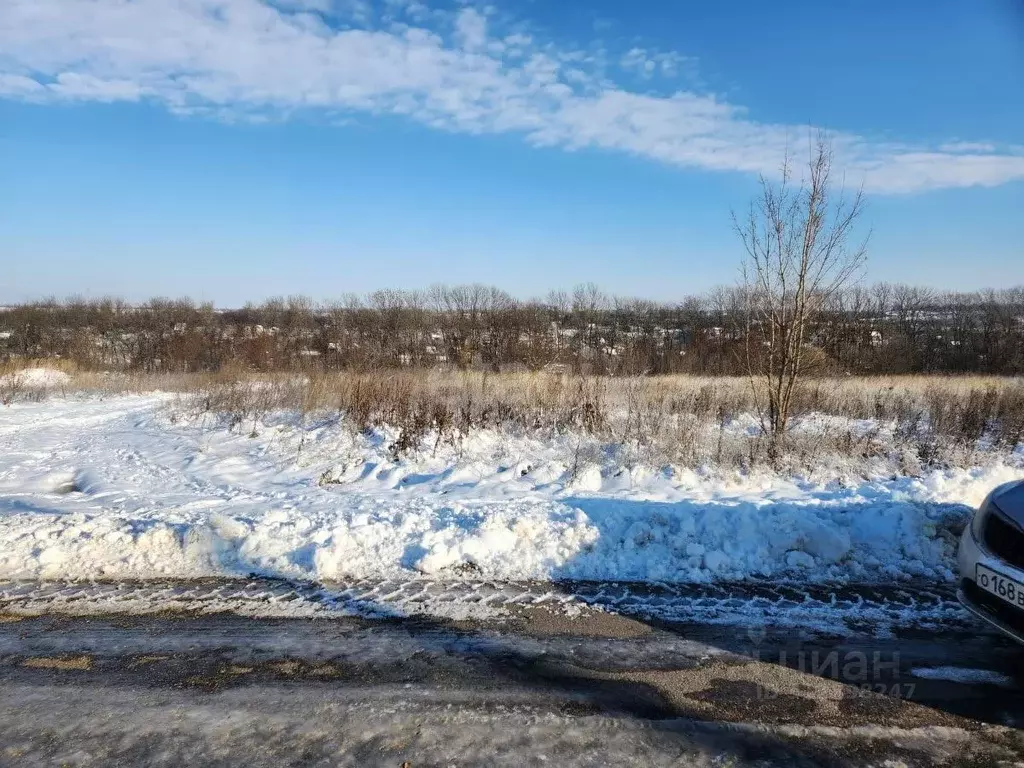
<point>996,584</point>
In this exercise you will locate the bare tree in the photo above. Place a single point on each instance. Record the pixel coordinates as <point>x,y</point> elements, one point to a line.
<point>797,241</point>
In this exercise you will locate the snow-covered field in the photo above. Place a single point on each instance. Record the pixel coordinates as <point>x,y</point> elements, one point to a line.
<point>140,487</point>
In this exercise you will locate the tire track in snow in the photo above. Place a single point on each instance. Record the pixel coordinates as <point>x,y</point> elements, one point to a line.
<point>837,609</point>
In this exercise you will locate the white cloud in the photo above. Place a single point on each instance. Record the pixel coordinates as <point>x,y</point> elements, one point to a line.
<point>910,170</point>
<point>360,11</point>
<point>967,146</point>
<point>637,60</point>
<point>413,10</point>
<point>71,85</point>
<point>647,64</point>
<point>249,59</point>
<point>19,85</point>
<point>322,6</point>
<point>670,63</point>
<point>471,29</point>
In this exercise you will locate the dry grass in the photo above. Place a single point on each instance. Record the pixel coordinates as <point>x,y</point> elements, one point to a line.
<point>911,420</point>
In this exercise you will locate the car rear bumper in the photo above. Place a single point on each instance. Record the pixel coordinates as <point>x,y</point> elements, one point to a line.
<point>998,613</point>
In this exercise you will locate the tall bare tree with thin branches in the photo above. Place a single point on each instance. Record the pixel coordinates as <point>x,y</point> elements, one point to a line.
<point>797,237</point>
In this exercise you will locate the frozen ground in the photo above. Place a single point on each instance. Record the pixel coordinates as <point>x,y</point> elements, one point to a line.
<point>225,690</point>
<point>133,487</point>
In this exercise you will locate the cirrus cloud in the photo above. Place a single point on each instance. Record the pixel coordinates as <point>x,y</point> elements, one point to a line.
<point>255,59</point>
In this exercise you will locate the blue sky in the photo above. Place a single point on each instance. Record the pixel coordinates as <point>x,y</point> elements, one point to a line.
<point>237,149</point>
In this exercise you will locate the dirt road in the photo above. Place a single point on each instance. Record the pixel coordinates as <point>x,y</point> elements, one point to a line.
<point>542,685</point>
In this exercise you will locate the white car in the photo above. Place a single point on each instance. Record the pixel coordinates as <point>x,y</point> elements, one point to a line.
<point>991,559</point>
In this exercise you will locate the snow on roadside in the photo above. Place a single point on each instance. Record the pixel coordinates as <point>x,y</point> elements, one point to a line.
<point>118,489</point>
<point>965,675</point>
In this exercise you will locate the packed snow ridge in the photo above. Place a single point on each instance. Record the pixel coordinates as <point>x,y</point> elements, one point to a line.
<point>134,487</point>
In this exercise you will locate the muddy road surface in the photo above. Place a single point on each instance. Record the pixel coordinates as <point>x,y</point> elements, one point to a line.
<point>94,680</point>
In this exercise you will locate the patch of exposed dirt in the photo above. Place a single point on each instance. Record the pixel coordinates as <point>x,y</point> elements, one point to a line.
<point>62,663</point>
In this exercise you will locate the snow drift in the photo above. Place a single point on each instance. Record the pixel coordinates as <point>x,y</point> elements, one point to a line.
<point>35,378</point>
<point>117,489</point>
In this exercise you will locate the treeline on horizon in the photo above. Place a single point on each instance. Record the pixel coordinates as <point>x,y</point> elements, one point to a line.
<point>881,329</point>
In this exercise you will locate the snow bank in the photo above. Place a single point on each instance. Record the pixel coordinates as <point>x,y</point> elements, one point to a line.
<point>116,489</point>
<point>361,539</point>
<point>369,537</point>
<point>36,378</point>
